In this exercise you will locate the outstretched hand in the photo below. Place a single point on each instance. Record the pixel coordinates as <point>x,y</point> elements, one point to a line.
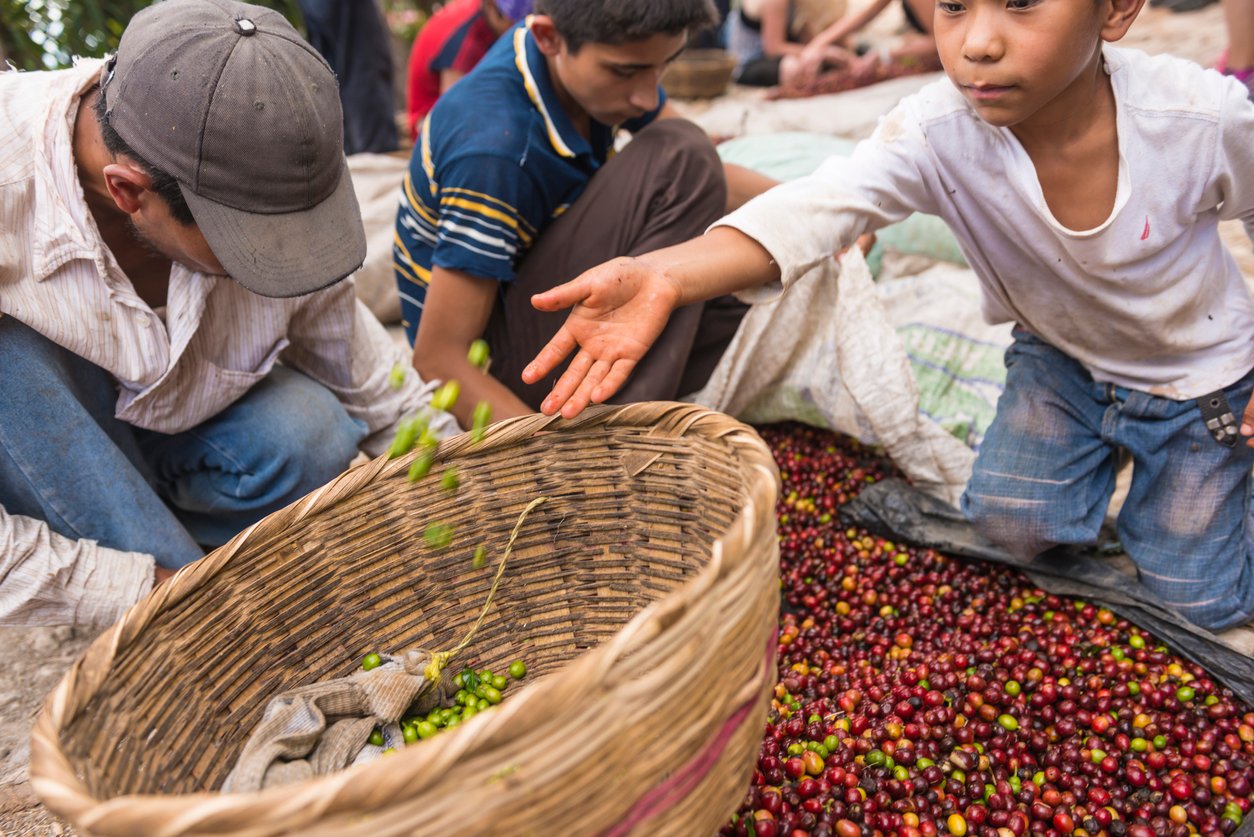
<point>618,309</point>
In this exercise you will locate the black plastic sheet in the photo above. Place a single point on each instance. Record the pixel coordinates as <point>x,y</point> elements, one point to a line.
<point>894,509</point>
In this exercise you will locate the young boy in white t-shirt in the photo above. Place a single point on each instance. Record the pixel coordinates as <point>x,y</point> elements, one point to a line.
<point>1085,184</point>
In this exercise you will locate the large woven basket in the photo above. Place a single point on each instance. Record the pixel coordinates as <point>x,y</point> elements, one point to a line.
<point>699,74</point>
<point>642,594</point>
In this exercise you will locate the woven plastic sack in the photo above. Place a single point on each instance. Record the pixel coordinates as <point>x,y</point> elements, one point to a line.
<point>894,509</point>
<point>826,353</point>
<point>957,359</point>
<point>377,180</point>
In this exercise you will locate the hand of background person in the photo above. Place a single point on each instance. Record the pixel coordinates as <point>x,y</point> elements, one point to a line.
<point>800,70</point>
<point>618,309</point>
<point>161,574</point>
<point>865,67</point>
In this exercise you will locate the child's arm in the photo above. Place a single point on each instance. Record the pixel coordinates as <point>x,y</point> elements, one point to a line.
<point>480,220</point>
<point>848,24</point>
<point>744,184</point>
<point>775,30</point>
<point>1234,178</point>
<point>448,78</point>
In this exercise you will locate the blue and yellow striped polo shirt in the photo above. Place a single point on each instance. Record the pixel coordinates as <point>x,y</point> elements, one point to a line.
<point>497,159</point>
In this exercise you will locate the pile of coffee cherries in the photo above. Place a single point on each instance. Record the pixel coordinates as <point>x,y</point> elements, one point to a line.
<point>477,691</point>
<point>920,694</point>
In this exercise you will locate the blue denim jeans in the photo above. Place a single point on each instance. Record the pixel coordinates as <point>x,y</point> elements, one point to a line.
<point>1046,471</point>
<point>66,460</point>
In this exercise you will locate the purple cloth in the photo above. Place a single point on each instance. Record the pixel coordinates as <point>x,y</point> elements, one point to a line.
<point>515,10</point>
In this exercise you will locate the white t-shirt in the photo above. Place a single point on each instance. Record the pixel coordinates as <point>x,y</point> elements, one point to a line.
<point>1151,299</point>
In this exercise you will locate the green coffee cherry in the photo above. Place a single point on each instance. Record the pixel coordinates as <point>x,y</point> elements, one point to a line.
<point>421,465</point>
<point>438,535</point>
<point>478,354</point>
<point>407,432</point>
<point>396,378</point>
<point>480,419</point>
<point>446,396</point>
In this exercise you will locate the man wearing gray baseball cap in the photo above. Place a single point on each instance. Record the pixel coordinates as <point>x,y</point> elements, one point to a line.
<point>180,356</point>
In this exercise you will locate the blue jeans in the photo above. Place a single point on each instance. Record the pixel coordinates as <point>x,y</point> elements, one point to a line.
<point>1046,471</point>
<point>66,460</point>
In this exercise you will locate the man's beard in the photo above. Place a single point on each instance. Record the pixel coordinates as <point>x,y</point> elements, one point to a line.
<point>147,243</point>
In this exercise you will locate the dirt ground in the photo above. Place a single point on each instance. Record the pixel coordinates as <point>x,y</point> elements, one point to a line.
<point>34,659</point>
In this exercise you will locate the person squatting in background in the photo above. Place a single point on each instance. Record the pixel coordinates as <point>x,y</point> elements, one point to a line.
<point>450,45</point>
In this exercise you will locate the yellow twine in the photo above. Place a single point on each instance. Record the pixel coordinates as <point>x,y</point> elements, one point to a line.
<point>440,659</point>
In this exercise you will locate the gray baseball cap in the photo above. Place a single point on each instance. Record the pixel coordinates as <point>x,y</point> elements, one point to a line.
<point>231,101</point>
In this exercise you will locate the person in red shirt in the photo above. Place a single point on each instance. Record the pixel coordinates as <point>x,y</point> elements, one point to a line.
<point>451,44</point>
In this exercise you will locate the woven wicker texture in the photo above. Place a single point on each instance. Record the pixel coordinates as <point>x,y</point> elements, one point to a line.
<point>643,596</point>
<point>699,74</point>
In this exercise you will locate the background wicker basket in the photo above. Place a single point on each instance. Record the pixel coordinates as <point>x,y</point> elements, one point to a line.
<point>643,596</point>
<point>699,74</point>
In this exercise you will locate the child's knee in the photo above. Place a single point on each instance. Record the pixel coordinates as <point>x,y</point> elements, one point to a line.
<point>1026,509</point>
<point>1220,620</point>
<point>1020,527</point>
<point>1215,591</point>
<point>687,154</point>
<point>677,137</point>
<point>1225,609</point>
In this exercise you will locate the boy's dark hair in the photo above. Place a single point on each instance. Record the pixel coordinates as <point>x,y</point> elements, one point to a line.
<point>166,187</point>
<point>614,21</point>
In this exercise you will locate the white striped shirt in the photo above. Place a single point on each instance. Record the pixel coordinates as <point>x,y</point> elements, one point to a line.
<point>58,277</point>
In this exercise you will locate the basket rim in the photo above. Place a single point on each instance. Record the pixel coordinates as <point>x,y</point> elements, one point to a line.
<point>60,788</point>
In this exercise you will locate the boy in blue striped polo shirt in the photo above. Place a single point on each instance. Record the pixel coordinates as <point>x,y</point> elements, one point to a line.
<point>514,185</point>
